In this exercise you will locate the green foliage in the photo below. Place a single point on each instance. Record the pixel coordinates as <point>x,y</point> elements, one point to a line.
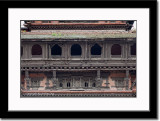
<point>56,34</point>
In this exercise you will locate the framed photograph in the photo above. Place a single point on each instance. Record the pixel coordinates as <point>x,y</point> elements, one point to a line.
<point>84,61</point>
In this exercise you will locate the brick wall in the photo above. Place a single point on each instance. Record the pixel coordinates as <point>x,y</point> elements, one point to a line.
<point>110,80</point>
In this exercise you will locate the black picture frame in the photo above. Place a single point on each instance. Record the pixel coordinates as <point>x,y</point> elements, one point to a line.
<point>152,114</point>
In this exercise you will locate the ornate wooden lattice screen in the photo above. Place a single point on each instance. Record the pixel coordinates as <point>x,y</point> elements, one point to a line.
<point>35,82</point>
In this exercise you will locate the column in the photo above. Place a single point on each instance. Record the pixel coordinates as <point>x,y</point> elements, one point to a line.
<point>107,83</point>
<point>27,79</point>
<point>65,52</point>
<point>126,51</point>
<point>103,49</point>
<point>68,50</point>
<point>46,51</point>
<point>123,46</point>
<point>98,79</point>
<point>49,51</point>
<point>98,74</point>
<point>127,79</point>
<point>47,84</point>
<point>108,51</point>
<point>80,82</point>
<point>25,52</point>
<point>86,50</point>
<point>89,84</point>
<point>89,51</point>
<point>65,83</point>
<point>72,82</point>
<point>29,52</point>
<point>129,50</point>
<point>43,51</point>
<point>54,80</point>
<point>83,50</point>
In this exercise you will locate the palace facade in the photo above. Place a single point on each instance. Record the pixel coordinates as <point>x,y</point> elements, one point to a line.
<point>78,59</point>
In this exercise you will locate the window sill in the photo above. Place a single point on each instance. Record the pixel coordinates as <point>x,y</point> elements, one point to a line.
<point>36,56</point>
<point>116,56</point>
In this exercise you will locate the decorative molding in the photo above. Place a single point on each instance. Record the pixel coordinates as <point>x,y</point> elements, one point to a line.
<point>78,95</point>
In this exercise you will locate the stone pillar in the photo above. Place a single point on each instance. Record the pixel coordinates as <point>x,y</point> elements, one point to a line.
<point>89,52</point>
<point>27,79</point>
<point>103,51</point>
<point>65,52</point>
<point>129,50</point>
<point>108,51</point>
<point>54,80</point>
<point>127,79</point>
<point>89,84</point>
<point>43,51</point>
<point>47,84</point>
<point>49,51</point>
<point>29,51</point>
<point>126,50</point>
<point>80,82</point>
<point>98,79</point>
<point>86,51</point>
<point>83,50</point>
<point>107,82</point>
<point>69,50</point>
<point>72,82</point>
<point>46,51</point>
<point>24,55</point>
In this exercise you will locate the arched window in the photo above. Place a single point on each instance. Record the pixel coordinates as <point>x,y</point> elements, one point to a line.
<point>116,49</point>
<point>36,50</point>
<point>56,50</point>
<point>68,84</point>
<point>86,84</point>
<point>76,50</point>
<point>133,49</point>
<point>96,50</point>
<point>94,85</point>
<point>60,85</point>
<point>21,50</point>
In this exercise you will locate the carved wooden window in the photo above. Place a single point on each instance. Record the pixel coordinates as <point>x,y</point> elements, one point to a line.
<point>56,50</point>
<point>76,50</point>
<point>86,84</point>
<point>119,83</point>
<point>94,84</point>
<point>116,49</point>
<point>60,85</point>
<point>36,50</point>
<point>68,84</point>
<point>21,50</point>
<point>35,83</point>
<point>133,49</point>
<point>96,50</point>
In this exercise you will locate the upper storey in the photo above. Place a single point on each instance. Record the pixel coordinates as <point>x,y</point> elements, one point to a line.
<point>78,25</point>
<point>62,30</point>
